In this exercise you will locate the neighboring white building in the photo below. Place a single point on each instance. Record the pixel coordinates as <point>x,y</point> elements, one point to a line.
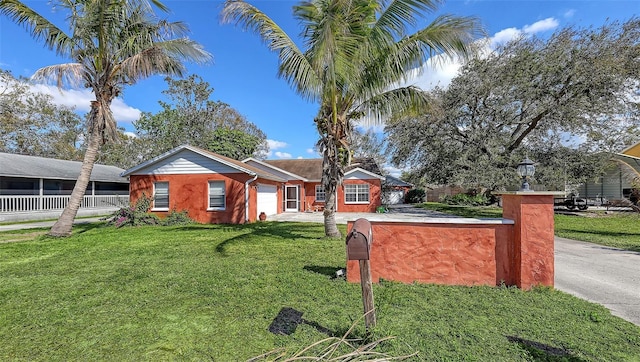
<point>620,178</point>
<point>40,187</point>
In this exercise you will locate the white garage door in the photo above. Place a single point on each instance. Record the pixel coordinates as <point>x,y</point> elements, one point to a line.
<point>393,197</point>
<point>267,199</point>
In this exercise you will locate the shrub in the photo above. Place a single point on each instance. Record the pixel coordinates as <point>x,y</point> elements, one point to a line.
<point>177,218</point>
<point>138,214</point>
<point>134,215</point>
<point>381,209</point>
<point>415,196</point>
<point>466,200</point>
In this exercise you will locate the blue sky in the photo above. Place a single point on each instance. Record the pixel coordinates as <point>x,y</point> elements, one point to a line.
<point>243,72</point>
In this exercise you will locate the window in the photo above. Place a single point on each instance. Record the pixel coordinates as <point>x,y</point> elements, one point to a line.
<point>320,194</point>
<point>161,195</point>
<point>216,195</point>
<point>356,194</point>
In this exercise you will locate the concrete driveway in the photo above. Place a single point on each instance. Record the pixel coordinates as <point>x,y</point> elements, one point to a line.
<point>600,274</point>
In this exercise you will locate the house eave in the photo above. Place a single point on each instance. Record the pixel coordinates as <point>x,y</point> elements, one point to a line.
<point>374,175</point>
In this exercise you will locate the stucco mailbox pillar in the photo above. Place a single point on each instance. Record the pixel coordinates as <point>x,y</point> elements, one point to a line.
<point>532,249</point>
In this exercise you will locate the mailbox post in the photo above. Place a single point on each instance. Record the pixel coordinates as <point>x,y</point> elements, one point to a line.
<point>359,241</point>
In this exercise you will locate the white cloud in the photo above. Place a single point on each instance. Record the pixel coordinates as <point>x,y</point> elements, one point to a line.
<point>569,13</point>
<point>80,100</point>
<point>504,36</point>
<point>283,155</point>
<point>131,134</point>
<point>311,151</point>
<point>124,113</point>
<point>275,145</point>
<point>541,26</point>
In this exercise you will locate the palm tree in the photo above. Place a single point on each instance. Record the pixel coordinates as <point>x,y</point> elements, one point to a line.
<point>356,52</point>
<point>111,44</point>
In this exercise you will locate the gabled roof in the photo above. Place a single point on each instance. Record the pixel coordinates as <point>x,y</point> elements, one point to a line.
<point>272,167</point>
<point>394,181</point>
<point>362,170</point>
<point>235,164</point>
<point>310,169</point>
<point>633,150</point>
<point>368,164</point>
<point>12,165</point>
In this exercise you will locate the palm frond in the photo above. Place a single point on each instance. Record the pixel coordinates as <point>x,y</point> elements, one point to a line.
<point>294,66</point>
<point>396,18</point>
<point>166,58</point>
<point>38,26</point>
<point>378,109</point>
<point>448,35</point>
<point>446,38</point>
<point>68,74</point>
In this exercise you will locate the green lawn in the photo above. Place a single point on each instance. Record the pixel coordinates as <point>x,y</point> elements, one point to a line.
<point>464,211</point>
<point>210,292</point>
<point>618,229</point>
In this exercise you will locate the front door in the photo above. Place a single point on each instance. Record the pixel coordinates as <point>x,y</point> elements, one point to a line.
<point>291,198</point>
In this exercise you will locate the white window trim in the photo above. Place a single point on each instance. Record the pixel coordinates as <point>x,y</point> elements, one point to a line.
<point>224,185</point>
<point>154,208</point>
<point>357,202</point>
<point>323,191</point>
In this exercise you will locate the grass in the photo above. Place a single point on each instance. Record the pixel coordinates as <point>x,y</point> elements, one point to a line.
<point>618,229</point>
<point>214,292</point>
<point>464,211</point>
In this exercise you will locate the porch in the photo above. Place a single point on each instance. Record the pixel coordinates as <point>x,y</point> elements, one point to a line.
<point>39,188</point>
<point>15,208</point>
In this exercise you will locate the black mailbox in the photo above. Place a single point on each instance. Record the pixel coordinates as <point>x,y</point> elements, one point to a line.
<point>359,240</point>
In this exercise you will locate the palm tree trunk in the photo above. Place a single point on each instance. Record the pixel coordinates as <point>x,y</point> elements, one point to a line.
<point>63,226</point>
<point>331,173</point>
<point>330,226</point>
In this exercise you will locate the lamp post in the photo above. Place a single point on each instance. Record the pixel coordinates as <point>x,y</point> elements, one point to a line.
<point>525,169</point>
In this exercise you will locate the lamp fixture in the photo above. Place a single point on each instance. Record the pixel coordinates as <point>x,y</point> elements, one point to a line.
<point>526,169</point>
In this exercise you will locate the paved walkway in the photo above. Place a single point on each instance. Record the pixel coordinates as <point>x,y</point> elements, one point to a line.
<point>44,224</point>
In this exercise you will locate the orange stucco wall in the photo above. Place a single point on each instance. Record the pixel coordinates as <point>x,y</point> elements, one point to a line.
<point>520,254</point>
<point>435,253</point>
<point>533,238</point>
<point>190,192</point>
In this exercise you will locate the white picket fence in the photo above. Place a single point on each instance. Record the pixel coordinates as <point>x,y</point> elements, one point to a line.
<point>10,203</point>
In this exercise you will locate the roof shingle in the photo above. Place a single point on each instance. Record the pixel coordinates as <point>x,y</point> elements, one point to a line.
<point>13,165</point>
<point>311,169</point>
